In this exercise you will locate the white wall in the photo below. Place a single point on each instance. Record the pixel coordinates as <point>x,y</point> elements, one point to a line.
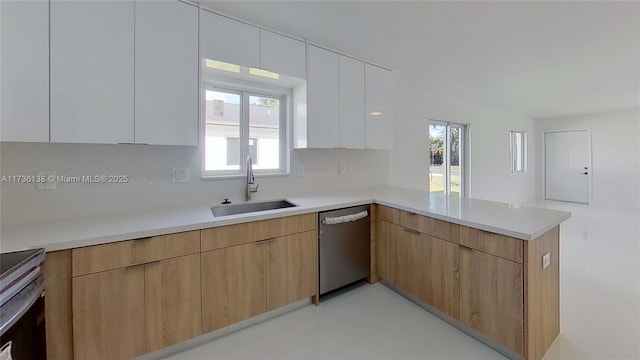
<point>490,176</point>
<point>615,167</point>
<point>149,170</point>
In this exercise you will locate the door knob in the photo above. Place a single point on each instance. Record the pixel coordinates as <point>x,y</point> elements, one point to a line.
<point>585,173</point>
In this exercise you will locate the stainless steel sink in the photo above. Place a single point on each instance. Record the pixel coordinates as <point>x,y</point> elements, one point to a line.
<point>225,210</point>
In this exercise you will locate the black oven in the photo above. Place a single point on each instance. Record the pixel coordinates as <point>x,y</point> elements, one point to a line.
<point>22,320</point>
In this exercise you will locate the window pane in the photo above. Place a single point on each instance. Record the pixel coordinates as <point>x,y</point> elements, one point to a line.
<point>436,154</point>
<point>455,160</point>
<point>264,131</point>
<point>222,131</point>
<point>518,151</point>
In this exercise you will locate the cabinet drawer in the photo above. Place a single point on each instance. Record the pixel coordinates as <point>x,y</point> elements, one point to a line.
<point>424,224</point>
<point>491,243</point>
<point>231,235</point>
<point>91,259</point>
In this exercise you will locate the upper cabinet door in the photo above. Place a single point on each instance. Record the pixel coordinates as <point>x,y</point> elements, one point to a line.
<point>351,103</point>
<point>166,73</point>
<point>379,107</point>
<point>92,71</point>
<point>24,55</point>
<point>323,87</point>
<point>282,55</point>
<point>229,40</point>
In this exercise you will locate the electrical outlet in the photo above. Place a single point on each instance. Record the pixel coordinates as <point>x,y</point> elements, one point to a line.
<point>343,168</point>
<point>300,170</point>
<point>180,175</point>
<point>50,180</point>
<point>546,260</point>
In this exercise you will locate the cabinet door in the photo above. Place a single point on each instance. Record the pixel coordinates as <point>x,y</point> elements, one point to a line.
<point>108,314</point>
<point>436,267</point>
<point>393,255</point>
<point>384,256</point>
<point>409,249</point>
<point>323,87</point>
<point>229,40</point>
<point>166,73</point>
<point>379,107</point>
<point>233,285</point>
<point>24,55</point>
<point>292,269</point>
<point>92,71</point>
<point>351,103</point>
<point>491,299</point>
<point>173,301</point>
<point>283,55</point>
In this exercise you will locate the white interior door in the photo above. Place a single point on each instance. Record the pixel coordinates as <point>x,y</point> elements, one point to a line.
<point>567,166</point>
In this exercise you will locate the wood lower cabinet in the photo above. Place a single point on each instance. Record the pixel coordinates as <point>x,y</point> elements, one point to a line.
<point>441,285</point>
<point>493,284</point>
<point>128,311</point>
<point>58,307</point>
<point>172,301</point>
<point>124,313</point>
<point>291,268</point>
<point>243,281</point>
<point>491,297</point>
<point>233,285</point>
<point>422,265</point>
<point>109,314</point>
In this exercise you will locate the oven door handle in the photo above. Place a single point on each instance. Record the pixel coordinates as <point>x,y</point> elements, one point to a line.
<point>20,304</point>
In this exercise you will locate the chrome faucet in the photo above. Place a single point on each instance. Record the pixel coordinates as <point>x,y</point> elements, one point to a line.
<point>251,184</point>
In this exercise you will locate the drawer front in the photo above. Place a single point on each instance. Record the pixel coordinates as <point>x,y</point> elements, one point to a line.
<point>166,246</point>
<point>231,235</point>
<point>424,224</point>
<point>92,259</point>
<point>491,243</point>
<point>437,228</point>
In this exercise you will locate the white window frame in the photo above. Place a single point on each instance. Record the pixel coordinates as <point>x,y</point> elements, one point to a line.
<point>513,152</point>
<point>464,154</point>
<point>245,91</point>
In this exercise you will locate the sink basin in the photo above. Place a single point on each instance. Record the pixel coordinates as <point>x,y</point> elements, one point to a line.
<point>225,210</point>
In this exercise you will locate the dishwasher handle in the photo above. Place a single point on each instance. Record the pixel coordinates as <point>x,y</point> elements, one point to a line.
<point>345,218</point>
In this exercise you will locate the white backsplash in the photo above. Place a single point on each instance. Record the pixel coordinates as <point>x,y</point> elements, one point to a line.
<point>149,171</point>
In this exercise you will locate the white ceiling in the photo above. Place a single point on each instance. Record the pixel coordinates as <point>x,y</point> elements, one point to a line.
<point>537,59</point>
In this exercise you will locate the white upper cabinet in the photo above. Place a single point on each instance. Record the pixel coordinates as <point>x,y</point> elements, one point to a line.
<point>92,54</point>
<point>282,54</point>
<point>166,73</point>
<point>229,40</point>
<point>352,130</point>
<point>323,87</point>
<point>379,107</point>
<point>24,74</point>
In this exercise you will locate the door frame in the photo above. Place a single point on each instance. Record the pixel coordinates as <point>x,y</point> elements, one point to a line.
<point>464,152</point>
<point>590,162</point>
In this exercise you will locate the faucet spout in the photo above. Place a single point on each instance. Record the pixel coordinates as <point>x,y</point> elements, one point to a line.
<point>251,185</point>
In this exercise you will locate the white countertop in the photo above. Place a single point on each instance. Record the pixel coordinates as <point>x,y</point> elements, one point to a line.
<point>526,223</point>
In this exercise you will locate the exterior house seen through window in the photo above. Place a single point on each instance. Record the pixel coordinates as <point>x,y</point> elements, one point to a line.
<point>241,123</point>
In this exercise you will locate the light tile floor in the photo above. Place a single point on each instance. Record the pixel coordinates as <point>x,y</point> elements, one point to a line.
<point>600,310</point>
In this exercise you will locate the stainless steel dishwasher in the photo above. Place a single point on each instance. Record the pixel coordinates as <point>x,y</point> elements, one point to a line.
<point>344,240</point>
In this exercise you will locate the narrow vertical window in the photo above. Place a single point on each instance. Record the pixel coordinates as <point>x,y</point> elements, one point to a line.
<point>518,142</point>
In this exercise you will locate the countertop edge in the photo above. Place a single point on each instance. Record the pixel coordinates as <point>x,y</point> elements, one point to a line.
<point>331,204</point>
